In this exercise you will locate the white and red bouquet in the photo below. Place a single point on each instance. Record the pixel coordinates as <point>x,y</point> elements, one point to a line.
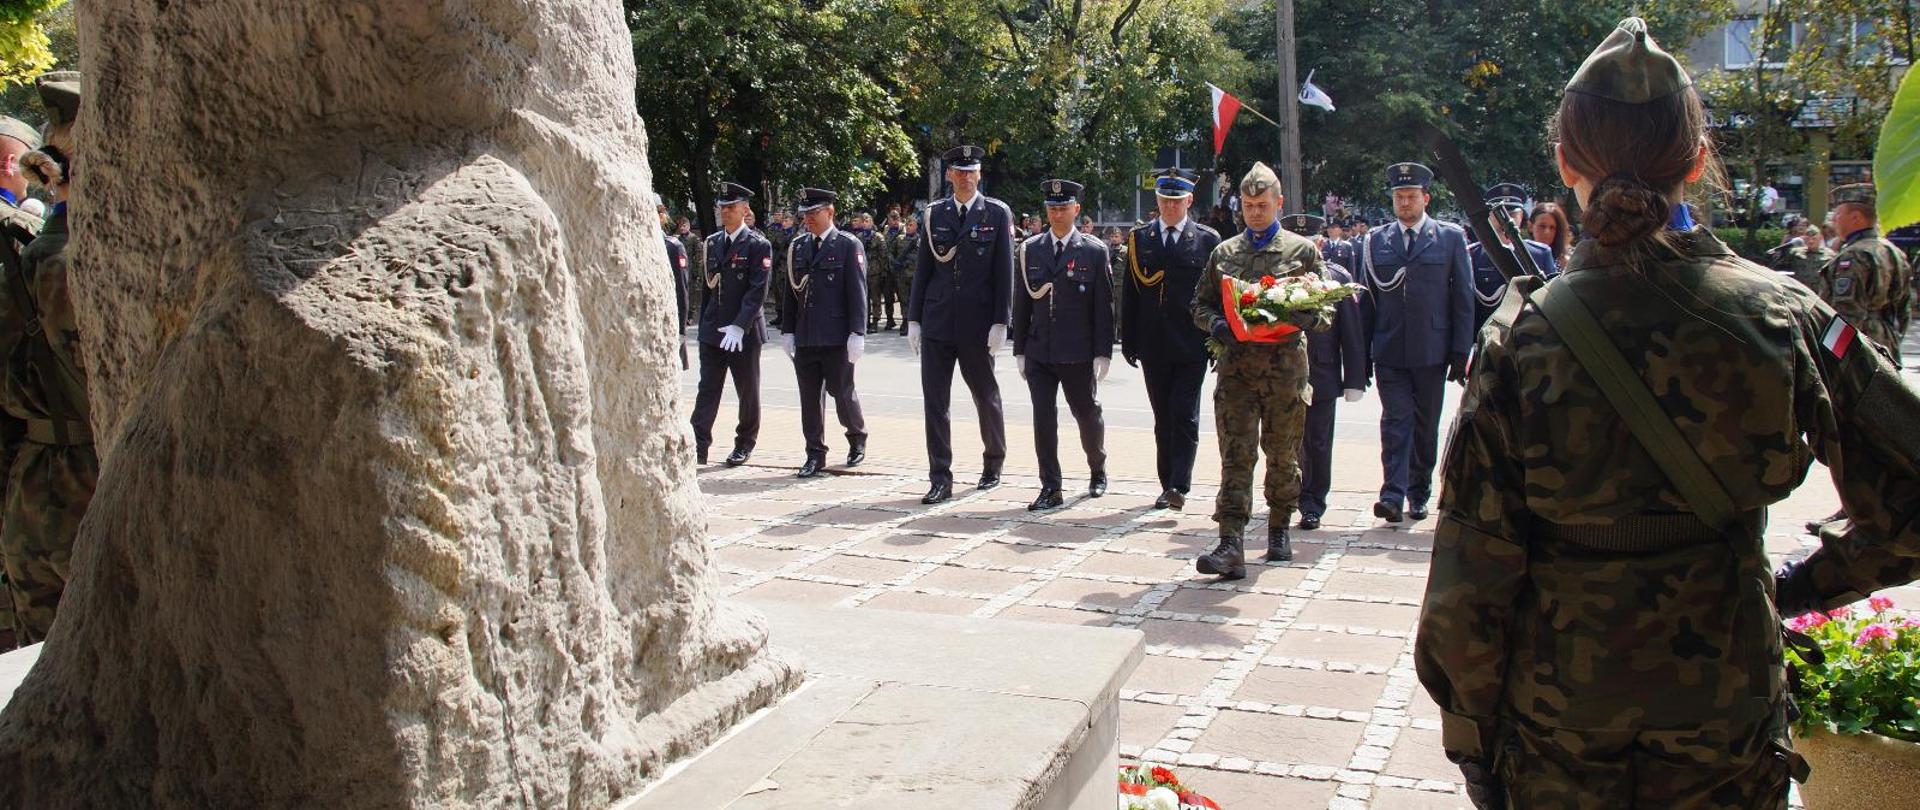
<point>1152,787</point>
<point>1263,312</point>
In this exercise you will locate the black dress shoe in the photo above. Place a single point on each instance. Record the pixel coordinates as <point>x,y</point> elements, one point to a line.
<point>1309,522</point>
<point>1098,486</point>
<point>1417,512</point>
<point>938,494</point>
<point>810,469</point>
<point>1049,499</point>
<point>855,455</point>
<point>988,480</point>
<point>1279,546</point>
<point>1176,500</point>
<point>1227,560</point>
<point>738,457</point>
<point>1162,502</point>
<point>1387,511</point>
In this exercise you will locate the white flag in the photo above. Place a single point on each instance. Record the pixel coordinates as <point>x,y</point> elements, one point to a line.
<point>1313,96</point>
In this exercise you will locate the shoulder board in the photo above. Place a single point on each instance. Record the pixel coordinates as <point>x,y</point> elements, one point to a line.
<point>1203,227</point>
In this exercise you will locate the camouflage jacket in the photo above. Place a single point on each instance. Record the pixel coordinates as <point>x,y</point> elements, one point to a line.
<point>1238,258</point>
<point>1867,282</point>
<point>39,386</point>
<point>1802,263</point>
<point>1762,378</point>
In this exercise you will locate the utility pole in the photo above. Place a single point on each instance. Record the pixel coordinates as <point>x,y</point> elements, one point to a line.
<point>1289,108</point>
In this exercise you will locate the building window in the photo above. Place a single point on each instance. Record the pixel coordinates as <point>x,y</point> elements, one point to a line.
<point>1740,45</point>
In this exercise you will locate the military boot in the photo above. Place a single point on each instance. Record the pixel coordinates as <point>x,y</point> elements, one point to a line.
<point>1227,560</point>
<point>1279,546</point>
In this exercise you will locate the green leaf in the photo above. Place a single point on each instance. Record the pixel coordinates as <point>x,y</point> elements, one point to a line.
<point>1896,165</point>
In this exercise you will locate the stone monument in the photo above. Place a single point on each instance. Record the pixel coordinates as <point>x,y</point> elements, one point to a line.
<point>395,507</point>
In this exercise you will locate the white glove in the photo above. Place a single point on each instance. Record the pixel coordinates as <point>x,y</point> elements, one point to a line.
<point>732,338</point>
<point>913,337</point>
<point>1354,394</point>
<point>1020,365</point>
<point>996,337</point>
<point>1100,365</point>
<point>856,347</point>
<point>787,342</point>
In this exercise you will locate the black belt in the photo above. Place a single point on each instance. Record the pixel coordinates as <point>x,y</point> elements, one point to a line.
<point>1643,532</point>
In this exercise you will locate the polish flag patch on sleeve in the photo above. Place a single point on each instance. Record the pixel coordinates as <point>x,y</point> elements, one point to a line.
<point>1839,337</point>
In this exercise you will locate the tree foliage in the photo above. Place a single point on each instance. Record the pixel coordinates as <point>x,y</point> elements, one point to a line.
<point>25,49</point>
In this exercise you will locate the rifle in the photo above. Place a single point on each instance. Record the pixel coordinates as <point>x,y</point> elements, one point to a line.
<point>1514,260</point>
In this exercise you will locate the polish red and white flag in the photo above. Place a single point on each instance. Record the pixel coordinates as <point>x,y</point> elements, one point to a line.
<point>1839,337</point>
<point>1225,107</point>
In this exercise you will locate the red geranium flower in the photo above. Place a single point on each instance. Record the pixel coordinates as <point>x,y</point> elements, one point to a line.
<point>1268,281</point>
<point>1163,776</point>
<point>1247,298</point>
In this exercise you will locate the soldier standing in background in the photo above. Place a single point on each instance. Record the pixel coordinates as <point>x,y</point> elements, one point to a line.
<point>677,263</point>
<point>1063,338</point>
<point>52,466</point>
<point>1866,282</point>
<point>1803,254</point>
<point>1116,241</point>
<point>906,256</point>
<point>957,314</point>
<point>1165,259</point>
<point>883,293</point>
<point>732,327</point>
<point>823,325</point>
<point>1337,368</point>
<point>1489,284</point>
<point>1336,248</point>
<point>1260,398</point>
<point>17,228</point>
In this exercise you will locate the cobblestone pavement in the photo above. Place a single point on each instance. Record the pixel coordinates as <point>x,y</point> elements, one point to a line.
<point>1291,688</point>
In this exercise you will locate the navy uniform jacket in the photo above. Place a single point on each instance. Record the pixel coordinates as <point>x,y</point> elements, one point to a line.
<point>832,300</point>
<point>1341,252</point>
<point>1422,302</point>
<point>677,261</point>
<point>1156,321</point>
<point>1337,358</point>
<point>963,278</point>
<point>1073,322</point>
<point>736,286</point>
<point>1490,285</point>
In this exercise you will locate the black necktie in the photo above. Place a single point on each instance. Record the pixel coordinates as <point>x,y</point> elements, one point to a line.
<point>726,244</point>
<point>1056,250</point>
<point>1406,241</point>
<point>1167,237</point>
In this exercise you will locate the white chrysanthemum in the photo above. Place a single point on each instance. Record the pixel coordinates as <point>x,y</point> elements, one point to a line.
<point>1161,798</point>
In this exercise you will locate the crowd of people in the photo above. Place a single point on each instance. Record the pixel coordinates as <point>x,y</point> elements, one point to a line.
<point>1630,410</point>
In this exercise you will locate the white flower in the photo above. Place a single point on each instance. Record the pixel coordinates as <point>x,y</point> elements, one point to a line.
<point>1126,803</point>
<point>1273,293</point>
<point>1297,296</point>
<point>1161,798</point>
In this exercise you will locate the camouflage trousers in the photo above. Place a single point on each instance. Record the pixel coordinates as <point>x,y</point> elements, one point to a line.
<point>47,492</point>
<point>1257,410</point>
<point>1544,768</point>
<point>883,296</point>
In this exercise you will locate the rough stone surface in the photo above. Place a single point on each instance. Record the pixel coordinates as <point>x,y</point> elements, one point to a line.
<point>395,508</point>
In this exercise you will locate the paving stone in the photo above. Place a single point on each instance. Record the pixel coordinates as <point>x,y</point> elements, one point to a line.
<point>1146,724</point>
<point>756,559</point>
<point>1276,738</point>
<point>1173,676</point>
<point>1085,591</point>
<point>1347,583</point>
<point>1254,606</point>
<point>1312,644</point>
<point>1397,798</point>
<point>1419,755</point>
<point>949,524</point>
<point>1421,706</point>
<point>1144,566</point>
<point>1036,613</point>
<point>1398,618</point>
<point>802,535</point>
<point>1411,562</point>
<point>1054,533</point>
<point>728,527</point>
<point>861,569</point>
<point>1015,555</point>
<point>1164,544</point>
<point>1203,636</point>
<point>910,545</point>
<point>1307,687</point>
<point>849,516</point>
<point>912,602</point>
<point>818,594</point>
<point>971,580</point>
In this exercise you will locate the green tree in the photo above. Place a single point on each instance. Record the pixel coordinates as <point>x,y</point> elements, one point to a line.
<point>18,98</point>
<point>25,50</point>
<point>774,94</point>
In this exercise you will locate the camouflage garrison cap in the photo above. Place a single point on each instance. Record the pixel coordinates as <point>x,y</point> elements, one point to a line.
<point>1303,224</point>
<point>60,91</point>
<point>1629,67</point>
<point>1259,180</point>
<point>18,130</point>
<point>1860,193</point>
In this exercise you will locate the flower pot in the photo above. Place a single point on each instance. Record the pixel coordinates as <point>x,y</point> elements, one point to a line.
<point>1859,771</point>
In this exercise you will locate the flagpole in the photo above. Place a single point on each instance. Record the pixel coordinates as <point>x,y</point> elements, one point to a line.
<point>1289,122</point>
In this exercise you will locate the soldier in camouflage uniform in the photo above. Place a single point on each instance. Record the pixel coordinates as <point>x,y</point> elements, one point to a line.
<point>1591,640</point>
<point>52,467</point>
<point>1868,280</point>
<point>1260,398</point>
<point>1803,255</point>
<point>904,248</point>
<point>883,288</point>
<point>17,228</point>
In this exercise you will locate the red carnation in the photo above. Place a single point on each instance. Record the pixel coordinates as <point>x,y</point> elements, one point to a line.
<point>1162,775</point>
<point>1268,281</point>
<point>1246,298</point>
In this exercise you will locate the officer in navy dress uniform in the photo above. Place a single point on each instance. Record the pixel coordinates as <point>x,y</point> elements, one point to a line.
<point>1063,337</point>
<point>1420,286</point>
<point>823,325</point>
<point>1336,368</point>
<point>1489,284</point>
<point>1337,249</point>
<point>1164,260</point>
<point>677,262</point>
<point>738,267</point>
<point>958,312</point>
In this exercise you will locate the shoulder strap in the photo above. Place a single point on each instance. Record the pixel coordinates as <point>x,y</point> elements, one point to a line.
<point>1633,400</point>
